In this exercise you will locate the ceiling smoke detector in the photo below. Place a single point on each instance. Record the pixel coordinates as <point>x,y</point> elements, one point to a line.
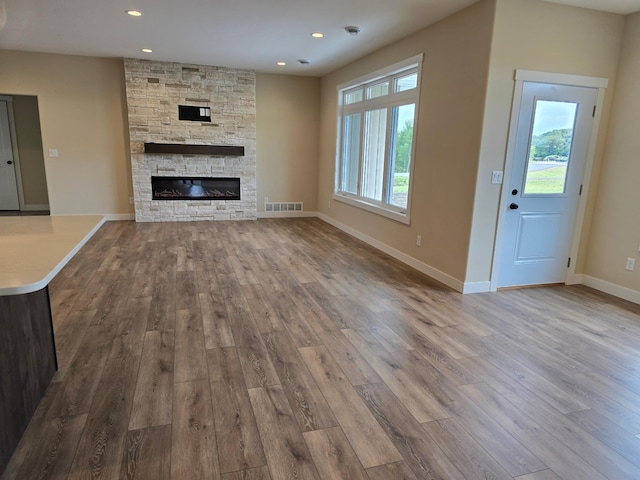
<point>352,30</point>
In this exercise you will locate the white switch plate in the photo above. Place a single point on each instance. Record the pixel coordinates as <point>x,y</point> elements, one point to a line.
<point>53,153</point>
<point>496,177</point>
<point>419,240</point>
<point>630,264</point>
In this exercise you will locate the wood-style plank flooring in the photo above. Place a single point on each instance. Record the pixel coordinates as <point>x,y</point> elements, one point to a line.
<point>285,349</point>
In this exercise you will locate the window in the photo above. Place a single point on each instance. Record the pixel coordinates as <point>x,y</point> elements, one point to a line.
<point>377,117</point>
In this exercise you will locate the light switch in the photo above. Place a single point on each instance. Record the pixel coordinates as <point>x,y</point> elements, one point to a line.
<point>53,153</point>
<point>496,177</point>
<point>631,263</point>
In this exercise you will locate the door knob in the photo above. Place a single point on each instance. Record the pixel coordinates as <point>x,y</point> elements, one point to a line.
<point>9,162</point>
<point>514,206</point>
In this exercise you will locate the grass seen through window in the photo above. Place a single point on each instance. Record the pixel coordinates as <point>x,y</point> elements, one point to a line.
<point>550,180</point>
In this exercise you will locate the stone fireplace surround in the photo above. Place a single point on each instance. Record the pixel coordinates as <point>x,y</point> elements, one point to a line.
<point>154,91</point>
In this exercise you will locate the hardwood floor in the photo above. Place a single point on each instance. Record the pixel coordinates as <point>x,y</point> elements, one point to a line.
<point>285,349</point>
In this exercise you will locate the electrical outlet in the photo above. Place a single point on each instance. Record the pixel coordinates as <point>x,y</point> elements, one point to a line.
<point>631,263</point>
<point>496,177</point>
<point>329,204</point>
<point>53,153</point>
<point>419,240</point>
<point>130,200</point>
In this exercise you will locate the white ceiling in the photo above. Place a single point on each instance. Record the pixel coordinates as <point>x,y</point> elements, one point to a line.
<point>252,34</point>
<point>623,7</point>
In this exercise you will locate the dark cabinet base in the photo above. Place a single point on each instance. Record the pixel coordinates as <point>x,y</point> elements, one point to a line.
<point>27,363</point>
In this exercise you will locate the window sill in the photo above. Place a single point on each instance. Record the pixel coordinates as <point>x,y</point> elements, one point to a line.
<point>374,208</point>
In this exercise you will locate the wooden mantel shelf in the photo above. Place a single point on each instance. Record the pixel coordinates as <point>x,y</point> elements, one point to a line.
<point>184,149</point>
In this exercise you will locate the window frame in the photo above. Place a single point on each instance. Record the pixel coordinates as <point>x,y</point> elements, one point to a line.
<point>389,102</point>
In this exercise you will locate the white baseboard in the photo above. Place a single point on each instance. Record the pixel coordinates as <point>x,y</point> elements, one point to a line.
<point>111,217</point>
<point>108,217</point>
<point>287,214</point>
<point>575,279</point>
<point>611,288</point>
<point>34,208</point>
<point>476,287</point>
<point>398,255</point>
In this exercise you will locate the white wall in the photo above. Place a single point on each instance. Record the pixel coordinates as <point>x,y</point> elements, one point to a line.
<point>615,232</point>
<point>83,116</point>
<point>287,117</point>
<point>452,99</point>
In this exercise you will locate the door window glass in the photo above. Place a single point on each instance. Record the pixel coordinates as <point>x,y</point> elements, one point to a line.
<point>550,147</point>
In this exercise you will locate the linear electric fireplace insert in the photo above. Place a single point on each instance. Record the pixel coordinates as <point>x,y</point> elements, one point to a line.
<point>195,188</point>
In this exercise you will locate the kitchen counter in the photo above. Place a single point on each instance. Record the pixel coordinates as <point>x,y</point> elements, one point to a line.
<point>32,251</point>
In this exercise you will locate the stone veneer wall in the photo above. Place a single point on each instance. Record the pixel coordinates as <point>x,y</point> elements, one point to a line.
<point>154,91</point>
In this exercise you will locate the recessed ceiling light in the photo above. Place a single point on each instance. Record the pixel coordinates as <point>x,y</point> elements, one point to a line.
<point>317,35</point>
<point>281,64</point>
<point>147,50</point>
<point>134,13</point>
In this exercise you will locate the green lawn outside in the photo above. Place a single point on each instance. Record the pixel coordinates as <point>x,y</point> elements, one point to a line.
<point>400,184</point>
<point>550,180</point>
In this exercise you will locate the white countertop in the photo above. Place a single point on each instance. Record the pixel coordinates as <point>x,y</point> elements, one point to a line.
<point>33,249</point>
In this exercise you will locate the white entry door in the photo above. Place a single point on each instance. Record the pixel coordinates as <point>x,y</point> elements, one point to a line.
<point>551,147</point>
<point>8,186</point>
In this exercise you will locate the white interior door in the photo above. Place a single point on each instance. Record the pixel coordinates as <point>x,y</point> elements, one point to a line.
<point>551,147</point>
<point>8,185</point>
